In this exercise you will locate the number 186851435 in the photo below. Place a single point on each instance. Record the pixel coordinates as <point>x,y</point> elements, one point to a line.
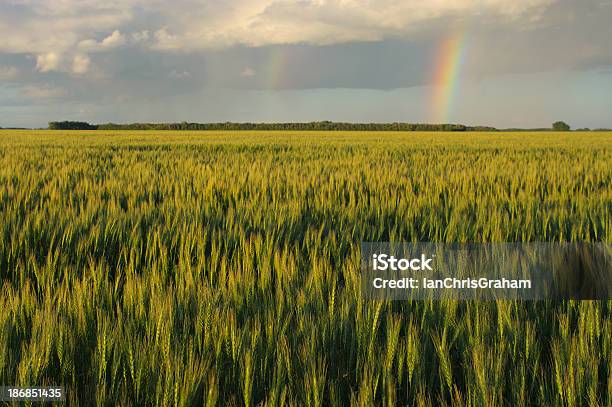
<point>50,393</point>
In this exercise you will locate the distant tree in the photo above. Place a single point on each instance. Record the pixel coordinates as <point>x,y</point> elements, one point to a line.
<point>70,125</point>
<point>560,126</point>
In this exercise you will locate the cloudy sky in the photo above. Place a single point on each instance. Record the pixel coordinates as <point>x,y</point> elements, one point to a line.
<point>493,62</point>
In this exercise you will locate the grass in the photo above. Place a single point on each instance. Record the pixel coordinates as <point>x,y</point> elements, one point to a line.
<point>220,268</point>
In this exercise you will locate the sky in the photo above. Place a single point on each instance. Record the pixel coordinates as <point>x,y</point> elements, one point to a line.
<point>504,63</point>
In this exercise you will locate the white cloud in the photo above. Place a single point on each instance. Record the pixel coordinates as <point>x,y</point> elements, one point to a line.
<point>80,63</point>
<point>52,61</point>
<point>165,39</point>
<point>140,36</point>
<point>47,62</point>
<point>68,26</point>
<point>41,26</point>
<point>322,22</point>
<point>61,60</point>
<point>116,39</point>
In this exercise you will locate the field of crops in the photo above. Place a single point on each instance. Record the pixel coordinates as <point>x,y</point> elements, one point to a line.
<point>223,268</point>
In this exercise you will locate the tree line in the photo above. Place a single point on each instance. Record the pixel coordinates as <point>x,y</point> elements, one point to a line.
<point>314,126</point>
<point>321,125</point>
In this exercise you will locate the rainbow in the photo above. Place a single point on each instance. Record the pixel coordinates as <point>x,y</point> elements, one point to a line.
<point>277,65</point>
<point>448,60</point>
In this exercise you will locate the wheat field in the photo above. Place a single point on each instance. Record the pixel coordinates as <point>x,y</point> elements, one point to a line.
<point>222,268</point>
